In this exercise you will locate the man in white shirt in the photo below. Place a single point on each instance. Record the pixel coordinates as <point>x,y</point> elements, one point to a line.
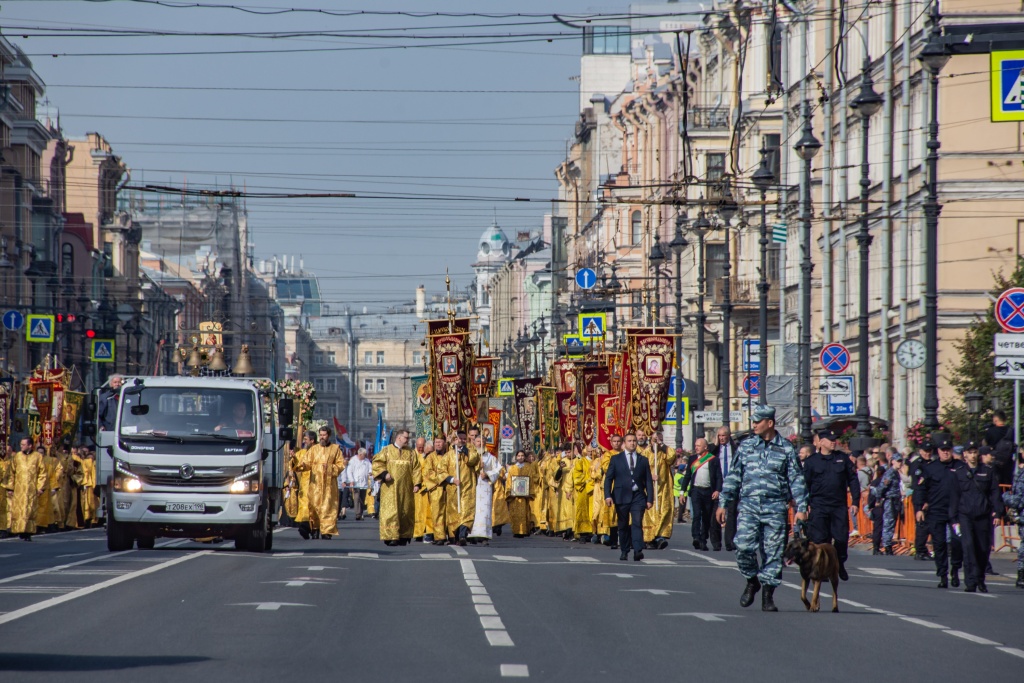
<point>356,478</point>
<point>724,449</point>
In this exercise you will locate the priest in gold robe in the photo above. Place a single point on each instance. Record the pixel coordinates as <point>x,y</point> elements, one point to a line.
<point>583,485</point>
<point>658,518</point>
<point>71,464</point>
<point>87,498</point>
<point>499,510</point>
<point>603,519</point>
<point>46,506</point>
<point>436,475</point>
<point>424,528</point>
<point>520,509</point>
<point>27,478</point>
<point>6,460</point>
<point>465,464</point>
<point>324,462</point>
<point>397,468</point>
<point>539,503</point>
<point>558,478</point>
<point>301,477</point>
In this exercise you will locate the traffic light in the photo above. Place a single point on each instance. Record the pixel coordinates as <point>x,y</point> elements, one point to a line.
<point>90,334</point>
<point>65,318</point>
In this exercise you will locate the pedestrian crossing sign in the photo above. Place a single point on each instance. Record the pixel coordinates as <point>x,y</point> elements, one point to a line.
<point>1007,85</point>
<point>102,351</point>
<point>573,346</point>
<point>671,412</point>
<point>505,386</point>
<point>38,328</point>
<point>592,325</point>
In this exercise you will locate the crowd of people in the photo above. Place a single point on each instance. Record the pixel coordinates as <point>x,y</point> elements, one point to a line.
<point>46,490</point>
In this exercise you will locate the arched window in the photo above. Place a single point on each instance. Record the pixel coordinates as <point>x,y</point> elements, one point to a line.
<point>67,260</point>
<point>636,228</point>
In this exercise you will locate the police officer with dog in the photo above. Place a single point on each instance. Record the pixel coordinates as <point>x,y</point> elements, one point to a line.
<point>933,491</point>
<point>974,503</point>
<point>764,476</point>
<point>829,473</point>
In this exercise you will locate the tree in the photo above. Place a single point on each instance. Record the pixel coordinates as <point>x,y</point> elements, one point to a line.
<point>975,371</point>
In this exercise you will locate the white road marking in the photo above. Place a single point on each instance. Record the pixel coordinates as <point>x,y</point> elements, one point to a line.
<point>269,606</point>
<point>620,576</point>
<point>1012,651</point>
<point>515,671</point>
<point>60,556</point>
<point>481,600</point>
<point>657,561</point>
<point>471,576</point>
<point>33,590</point>
<point>289,555</point>
<point>875,571</point>
<point>10,555</point>
<point>922,622</point>
<point>474,583</point>
<point>435,556</point>
<point>88,590</point>
<point>492,623</point>
<point>499,639</point>
<point>975,595</point>
<point>458,551</point>
<point>704,616</point>
<point>509,558</point>
<point>571,558</point>
<point>467,565</point>
<point>18,577</point>
<point>303,581</point>
<point>654,591</point>
<point>368,556</point>
<point>318,568</point>
<point>486,610</point>
<point>973,638</point>
<point>709,560</point>
<point>478,590</point>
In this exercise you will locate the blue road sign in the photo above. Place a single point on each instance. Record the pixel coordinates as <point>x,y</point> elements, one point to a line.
<point>592,325</point>
<point>1007,85</point>
<point>839,393</point>
<point>13,320</point>
<point>507,432</point>
<point>751,355</point>
<point>752,385</point>
<point>586,278</point>
<point>1009,310</point>
<point>672,385</point>
<point>39,328</point>
<point>505,387</point>
<point>102,351</point>
<point>834,358</point>
<point>672,409</point>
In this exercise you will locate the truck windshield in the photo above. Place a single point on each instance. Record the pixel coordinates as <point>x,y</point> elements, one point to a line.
<point>184,412</point>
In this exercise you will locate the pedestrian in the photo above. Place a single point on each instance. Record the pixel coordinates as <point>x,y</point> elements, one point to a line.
<point>889,495</point>
<point>524,484</point>
<point>424,530</point>
<point>629,486</point>
<point>300,476</point>
<point>6,465</point>
<point>764,476</point>
<point>465,467</point>
<point>829,474</point>
<point>702,482</point>
<point>875,507</point>
<point>356,480</point>
<point>932,493</point>
<point>658,519</point>
<point>915,469</point>
<point>678,495</point>
<point>397,468</point>
<point>481,531</point>
<point>1014,500</point>
<point>559,486</point>
<point>583,485</point>
<point>435,476</point>
<point>974,503</point>
<point>324,462</point>
<point>108,400</point>
<point>1000,438</point>
<point>724,449</point>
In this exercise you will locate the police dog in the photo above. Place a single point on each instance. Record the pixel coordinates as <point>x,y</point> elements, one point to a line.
<point>817,562</point>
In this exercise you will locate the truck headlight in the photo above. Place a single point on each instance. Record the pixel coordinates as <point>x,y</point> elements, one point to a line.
<point>248,481</point>
<point>124,479</point>
<point>132,485</point>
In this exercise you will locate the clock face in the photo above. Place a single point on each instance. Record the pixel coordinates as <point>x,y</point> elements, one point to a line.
<point>911,354</point>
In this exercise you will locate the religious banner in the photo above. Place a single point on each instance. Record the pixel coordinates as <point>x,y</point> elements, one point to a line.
<point>651,356</point>
<point>5,415</point>
<point>568,419</point>
<point>451,362</point>
<point>564,375</point>
<point>421,407</point>
<point>607,420</point>
<point>592,381</point>
<point>551,429</point>
<point>73,401</point>
<point>624,393</point>
<point>526,398</point>
<point>483,372</point>
<point>614,362</point>
<point>492,430</point>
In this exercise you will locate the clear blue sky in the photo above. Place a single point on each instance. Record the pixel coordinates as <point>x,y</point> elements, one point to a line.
<point>366,133</point>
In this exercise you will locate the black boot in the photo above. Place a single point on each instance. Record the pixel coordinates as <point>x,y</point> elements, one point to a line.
<point>1020,578</point>
<point>767,603</point>
<point>954,580</point>
<point>943,582</point>
<point>888,550</point>
<point>753,585</point>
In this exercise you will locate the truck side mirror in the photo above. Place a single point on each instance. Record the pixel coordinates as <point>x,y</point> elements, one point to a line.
<point>89,416</point>
<point>285,411</point>
<point>286,433</point>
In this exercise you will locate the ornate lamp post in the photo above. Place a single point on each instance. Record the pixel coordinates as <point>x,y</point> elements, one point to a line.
<point>677,245</point>
<point>656,258</point>
<point>763,178</point>
<point>700,229</point>
<point>726,210</point>
<point>807,147</point>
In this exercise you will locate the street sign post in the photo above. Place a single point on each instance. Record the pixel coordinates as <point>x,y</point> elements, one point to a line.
<point>672,385</point>
<point>838,390</point>
<point>1009,344</point>
<point>834,358</point>
<point>592,325</point>
<point>751,355</point>
<point>586,278</point>
<point>1009,310</point>
<point>671,412</point>
<point>574,347</point>
<point>13,320</point>
<point>39,328</point>
<point>715,416</point>
<point>101,350</point>
<point>505,386</point>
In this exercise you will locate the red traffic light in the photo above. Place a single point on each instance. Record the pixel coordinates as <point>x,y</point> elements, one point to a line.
<point>91,334</point>
<point>65,317</point>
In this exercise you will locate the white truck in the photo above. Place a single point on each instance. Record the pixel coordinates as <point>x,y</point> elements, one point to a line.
<point>194,457</point>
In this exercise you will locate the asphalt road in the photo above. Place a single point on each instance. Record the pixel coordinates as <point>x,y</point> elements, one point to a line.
<point>352,608</point>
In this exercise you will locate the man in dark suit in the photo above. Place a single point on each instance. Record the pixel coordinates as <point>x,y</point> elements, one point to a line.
<point>724,450</point>
<point>629,486</point>
<point>702,482</point>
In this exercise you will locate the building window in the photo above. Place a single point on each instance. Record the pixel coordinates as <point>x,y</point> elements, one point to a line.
<point>382,408</point>
<point>318,384</point>
<point>367,386</point>
<point>331,384</point>
<point>332,358</point>
<point>380,385</point>
<point>367,410</point>
<point>606,40</point>
<point>325,411</point>
<point>318,358</point>
<point>67,260</point>
<point>716,257</point>
<point>367,357</point>
<point>636,228</point>
<point>716,165</point>
<point>380,358</point>
<point>417,357</point>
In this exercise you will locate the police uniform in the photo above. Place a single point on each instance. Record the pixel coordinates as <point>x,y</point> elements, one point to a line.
<point>763,478</point>
<point>932,494</point>
<point>828,477</point>
<point>974,499</point>
<point>889,495</point>
<point>915,470</point>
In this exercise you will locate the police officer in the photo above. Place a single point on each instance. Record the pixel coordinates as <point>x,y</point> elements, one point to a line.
<point>829,473</point>
<point>915,470</point>
<point>763,477</point>
<point>932,496</point>
<point>974,502</point>
<point>889,494</point>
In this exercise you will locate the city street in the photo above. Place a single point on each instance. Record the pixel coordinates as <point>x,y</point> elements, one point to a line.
<point>537,607</point>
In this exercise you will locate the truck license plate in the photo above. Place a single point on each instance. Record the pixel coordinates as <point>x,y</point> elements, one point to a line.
<point>185,507</point>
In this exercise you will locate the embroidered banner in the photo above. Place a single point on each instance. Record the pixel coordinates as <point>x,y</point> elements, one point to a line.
<point>651,356</point>
<point>422,416</point>
<point>451,362</point>
<point>567,415</point>
<point>526,397</point>
<point>551,429</point>
<point>607,420</point>
<point>492,430</point>
<point>592,381</point>
<point>565,375</point>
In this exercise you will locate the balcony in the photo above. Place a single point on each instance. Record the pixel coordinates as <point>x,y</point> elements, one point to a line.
<point>743,293</point>
<point>708,118</point>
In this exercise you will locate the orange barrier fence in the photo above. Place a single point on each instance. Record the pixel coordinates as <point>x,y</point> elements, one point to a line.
<point>1010,532</point>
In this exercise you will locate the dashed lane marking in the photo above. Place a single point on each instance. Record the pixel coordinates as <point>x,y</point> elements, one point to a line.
<point>973,638</point>
<point>515,671</point>
<point>499,639</point>
<point>269,606</point>
<point>509,558</point>
<point>365,556</point>
<point>925,623</point>
<point>486,610</point>
<point>1012,651</point>
<point>458,551</point>
<point>571,558</point>
<point>709,560</point>
<point>435,556</point>
<point>875,571</point>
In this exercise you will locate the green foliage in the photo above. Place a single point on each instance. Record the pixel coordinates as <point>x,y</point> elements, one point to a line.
<point>975,371</point>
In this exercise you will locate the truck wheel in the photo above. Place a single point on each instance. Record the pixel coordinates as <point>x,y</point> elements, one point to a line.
<point>269,545</point>
<point>242,540</point>
<point>254,539</point>
<point>119,538</point>
<point>146,542</point>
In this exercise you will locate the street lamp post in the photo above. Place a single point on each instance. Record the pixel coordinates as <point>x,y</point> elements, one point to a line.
<point>763,178</point>
<point>973,400</point>
<point>677,245</point>
<point>933,57</point>
<point>807,147</point>
<point>865,105</point>
<point>726,210</point>
<point>656,258</point>
<point>700,229</point>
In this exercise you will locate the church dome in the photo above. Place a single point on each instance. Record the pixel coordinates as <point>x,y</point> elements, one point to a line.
<point>494,245</point>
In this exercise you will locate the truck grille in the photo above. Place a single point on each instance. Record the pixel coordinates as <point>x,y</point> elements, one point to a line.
<point>175,481</point>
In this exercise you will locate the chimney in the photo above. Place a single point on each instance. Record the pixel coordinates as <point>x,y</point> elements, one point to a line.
<point>421,301</point>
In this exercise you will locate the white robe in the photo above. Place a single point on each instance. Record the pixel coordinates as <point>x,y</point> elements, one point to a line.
<point>489,469</point>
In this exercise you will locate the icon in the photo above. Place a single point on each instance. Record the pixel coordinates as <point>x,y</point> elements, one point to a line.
<point>38,328</point>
